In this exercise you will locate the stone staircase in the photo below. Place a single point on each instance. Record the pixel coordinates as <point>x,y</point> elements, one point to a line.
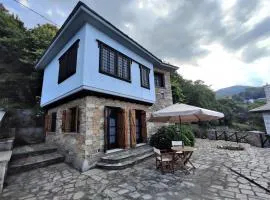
<point>125,158</point>
<point>30,157</point>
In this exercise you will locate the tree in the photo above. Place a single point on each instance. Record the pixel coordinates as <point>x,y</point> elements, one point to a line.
<point>199,94</point>
<point>20,48</point>
<point>37,40</point>
<point>12,35</point>
<point>177,92</point>
<point>193,93</point>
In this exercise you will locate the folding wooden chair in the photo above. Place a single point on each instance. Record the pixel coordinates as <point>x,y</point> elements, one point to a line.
<point>164,160</point>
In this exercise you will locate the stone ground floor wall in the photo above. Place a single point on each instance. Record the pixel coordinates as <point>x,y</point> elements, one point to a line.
<point>72,145</point>
<point>85,148</point>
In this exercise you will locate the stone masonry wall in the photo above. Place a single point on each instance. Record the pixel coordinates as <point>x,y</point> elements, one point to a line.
<point>72,145</point>
<point>266,119</point>
<point>267,93</point>
<point>163,99</point>
<point>83,149</point>
<point>95,106</point>
<point>266,115</point>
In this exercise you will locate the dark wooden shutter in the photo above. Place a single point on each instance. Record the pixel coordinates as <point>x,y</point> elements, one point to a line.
<point>68,121</point>
<point>77,119</point>
<point>64,121</point>
<point>122,128</point>
<point>125,120</point>
<point>72,59</point>
<point>49,122</point>
<point>132,117</point>
<point>53,122</point>
<point>106,115</point>
<point>46,122</point>
<point>144,126</point>
<point>68,62</point>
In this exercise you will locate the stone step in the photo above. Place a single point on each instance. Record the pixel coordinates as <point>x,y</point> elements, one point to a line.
<point>33,162</point>
<point>32,150</point>
<point>124,164</point>
<point>126,155</point>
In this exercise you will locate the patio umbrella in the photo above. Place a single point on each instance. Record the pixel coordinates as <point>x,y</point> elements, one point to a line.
<point>179,113</point>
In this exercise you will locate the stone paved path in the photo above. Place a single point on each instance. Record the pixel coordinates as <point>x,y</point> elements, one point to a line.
<point>211,180</point>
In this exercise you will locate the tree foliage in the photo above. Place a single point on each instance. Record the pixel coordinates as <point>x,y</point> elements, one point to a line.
<point>197,93</point>
<point>194,93</point>
<point>12,35</point>
<point>20,48</point>
<point>36,41</point>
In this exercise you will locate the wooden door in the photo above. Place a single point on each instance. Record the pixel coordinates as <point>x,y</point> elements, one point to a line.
<point>122,128</point>
<point>132,118</point>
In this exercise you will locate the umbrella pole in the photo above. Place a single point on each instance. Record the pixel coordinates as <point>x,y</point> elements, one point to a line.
<point>180,127</point>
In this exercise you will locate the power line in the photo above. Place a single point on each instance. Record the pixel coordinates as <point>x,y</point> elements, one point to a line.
<point>37,13</point>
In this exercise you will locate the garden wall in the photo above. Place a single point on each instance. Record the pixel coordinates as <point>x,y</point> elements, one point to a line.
<point>23,124</point>
<point>254,138</point>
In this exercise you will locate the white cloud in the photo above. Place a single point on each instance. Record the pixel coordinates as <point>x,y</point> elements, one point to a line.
<point>222,69</point>
<point>49,12</point>
<point>61,13</point>
<point>25,2</point>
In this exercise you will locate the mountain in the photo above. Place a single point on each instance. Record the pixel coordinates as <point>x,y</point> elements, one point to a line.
<point>230,91</point>
<point>241,92</point>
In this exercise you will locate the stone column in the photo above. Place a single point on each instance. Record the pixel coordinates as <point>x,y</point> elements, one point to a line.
<point>4,159</point>
<point>267,92</point>
<point>266,115</point>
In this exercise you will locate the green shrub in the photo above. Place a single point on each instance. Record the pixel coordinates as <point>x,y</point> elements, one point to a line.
<point>166,134</point>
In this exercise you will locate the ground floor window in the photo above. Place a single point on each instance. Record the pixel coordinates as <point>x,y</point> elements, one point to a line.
<point>53,122</point>
<point>71,120</point>
<point>111,127</point>
<point>50,122</point>
<point>139,138</point>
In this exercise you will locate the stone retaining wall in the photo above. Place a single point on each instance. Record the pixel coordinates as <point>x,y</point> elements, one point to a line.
<point>252,138</point>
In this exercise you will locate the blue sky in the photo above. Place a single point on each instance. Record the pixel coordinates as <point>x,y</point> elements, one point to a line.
<point>223,43</point>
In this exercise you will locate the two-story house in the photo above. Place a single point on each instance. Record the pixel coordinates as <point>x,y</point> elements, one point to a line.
<point>99,88</point>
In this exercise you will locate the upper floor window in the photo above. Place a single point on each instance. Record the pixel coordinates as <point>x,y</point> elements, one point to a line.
<point>114,63</point>
<point>145,77</point>
<point>68,62</point>
<point>159,79</point>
